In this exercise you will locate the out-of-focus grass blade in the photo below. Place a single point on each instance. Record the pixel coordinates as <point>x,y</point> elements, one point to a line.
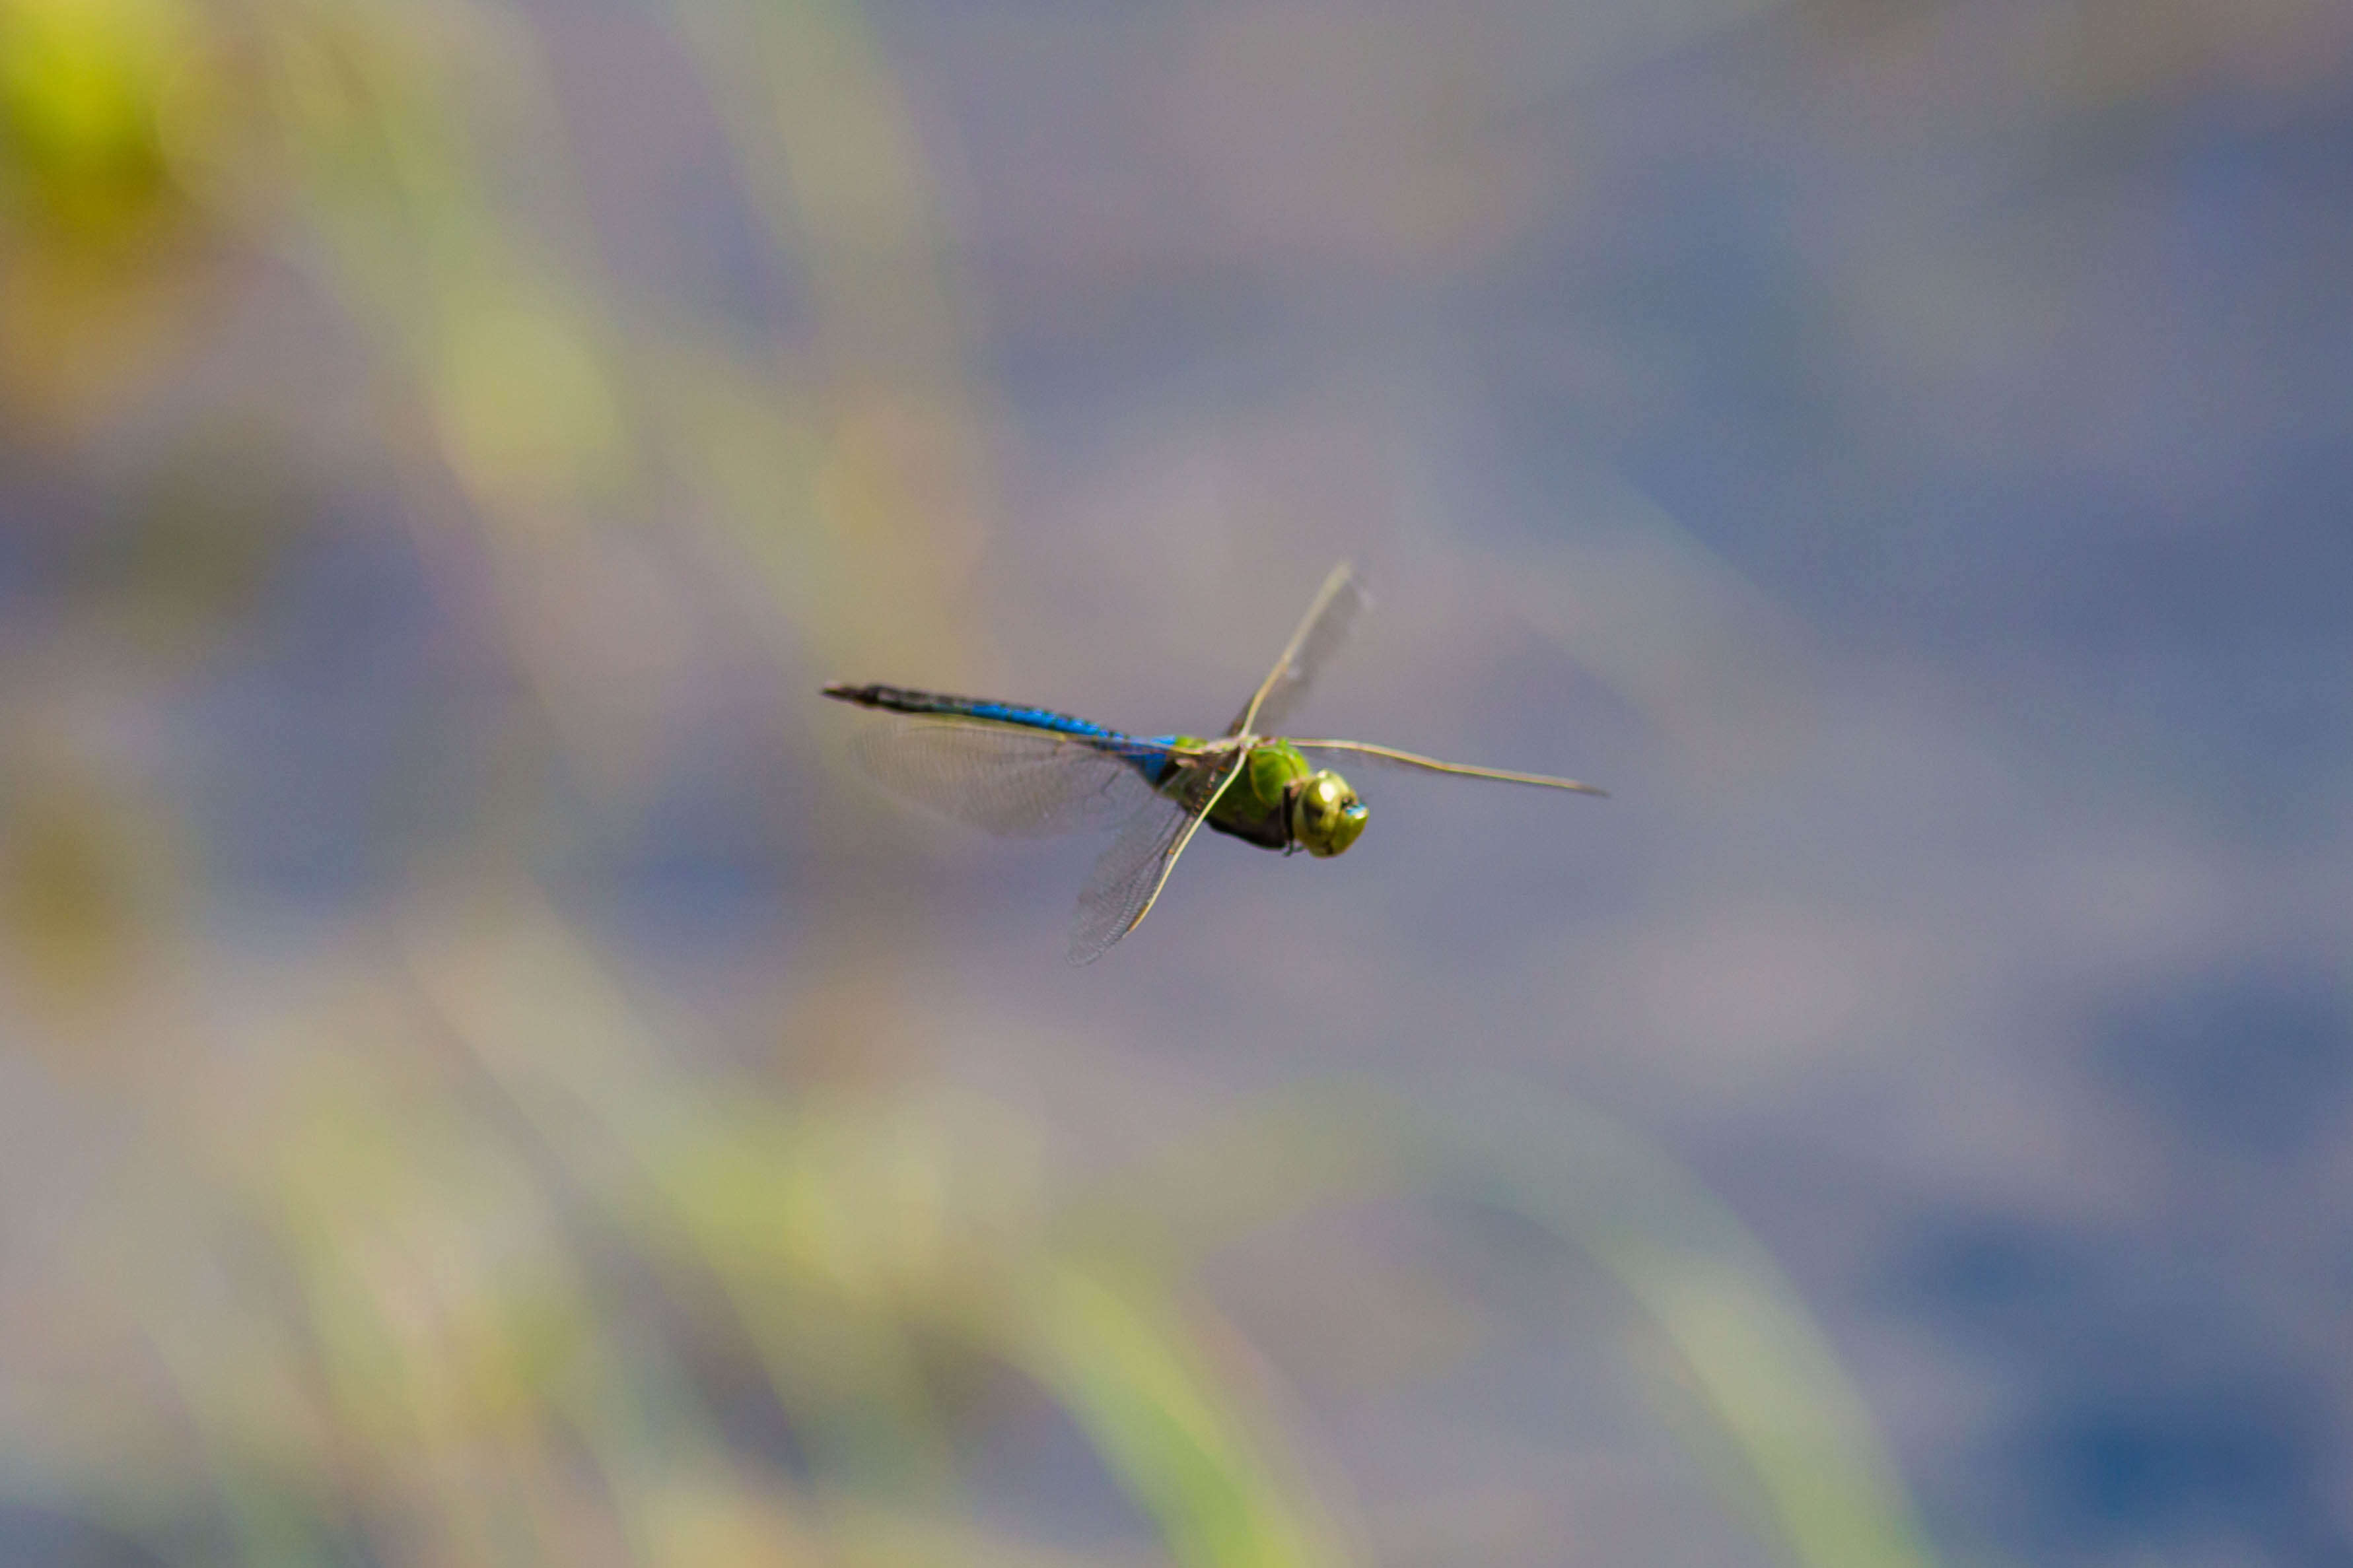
<point>836,1231</point>
<point>1751,1349</point>
<point>1121,1358</point>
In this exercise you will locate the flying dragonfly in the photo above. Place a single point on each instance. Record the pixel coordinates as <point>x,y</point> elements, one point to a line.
<point>1031,772</point>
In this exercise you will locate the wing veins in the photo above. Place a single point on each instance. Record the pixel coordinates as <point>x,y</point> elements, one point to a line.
<point>1009,779</point>
<point>1116,898</point>
<point>1294,666</point>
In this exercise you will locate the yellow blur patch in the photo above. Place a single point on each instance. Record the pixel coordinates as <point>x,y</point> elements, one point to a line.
<point>727,1523</point>
<point>72,904</point>
<point>84,86</point>
<point>102,103</point>
<point>526,413</point>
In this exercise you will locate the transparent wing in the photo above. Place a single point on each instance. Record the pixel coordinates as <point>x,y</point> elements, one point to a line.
<point>1390,756</point>
<point>1320,632</point>
<point>1127,879</point>
<point>1024,783</point>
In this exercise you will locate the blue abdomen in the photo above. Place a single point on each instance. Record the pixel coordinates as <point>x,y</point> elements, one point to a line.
<point>1149,758</point>
<point>905,699</point>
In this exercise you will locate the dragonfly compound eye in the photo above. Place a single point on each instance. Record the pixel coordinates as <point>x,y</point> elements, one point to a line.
<point>1326,814</point>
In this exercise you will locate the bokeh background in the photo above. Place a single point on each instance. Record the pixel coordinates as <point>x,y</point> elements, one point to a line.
<point>484,1081</point>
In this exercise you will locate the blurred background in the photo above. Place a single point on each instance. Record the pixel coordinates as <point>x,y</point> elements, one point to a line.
<point>483,1079</point>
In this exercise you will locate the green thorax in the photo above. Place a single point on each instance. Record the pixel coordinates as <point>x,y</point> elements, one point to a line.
<point>1256,806</point>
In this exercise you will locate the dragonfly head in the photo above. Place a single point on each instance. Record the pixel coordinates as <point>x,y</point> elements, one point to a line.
<point>1326,814</point>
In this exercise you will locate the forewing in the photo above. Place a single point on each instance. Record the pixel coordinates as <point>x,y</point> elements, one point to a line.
<point>1390,756</point>
<point>1021,783</point>
<point>1128,877</point>
<point>1318,637</point>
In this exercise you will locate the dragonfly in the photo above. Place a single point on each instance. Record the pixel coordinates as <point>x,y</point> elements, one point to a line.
<point>1031,772</point>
